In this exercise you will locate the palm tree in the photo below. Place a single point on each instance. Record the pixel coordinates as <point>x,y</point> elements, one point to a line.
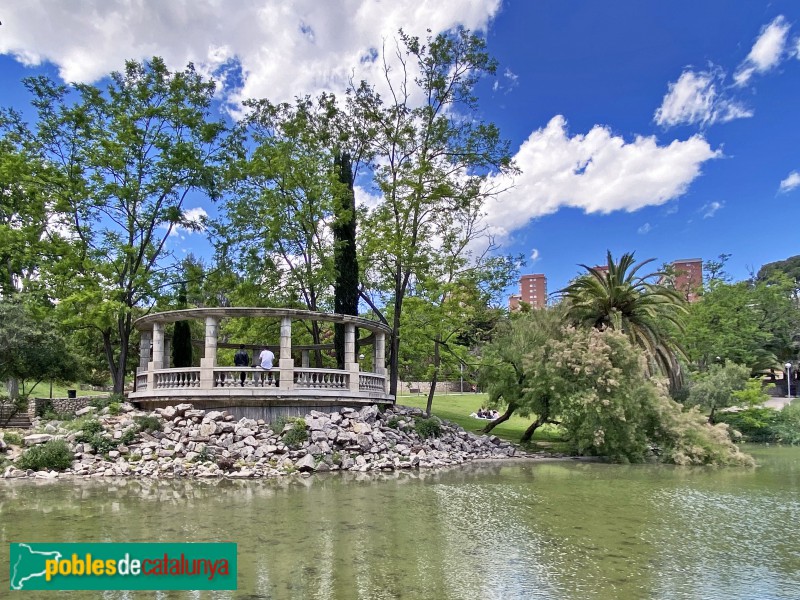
<point>650,314</point>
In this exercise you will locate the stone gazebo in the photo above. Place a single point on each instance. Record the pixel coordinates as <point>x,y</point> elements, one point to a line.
<point>253,392</point>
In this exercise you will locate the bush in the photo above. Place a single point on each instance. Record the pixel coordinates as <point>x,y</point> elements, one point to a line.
<point>278,424</point>
<point>128,436</point>
<point>12,438</point>
<point>394,423</point>
<point>114,408</point>
<point>755,424</point>
<point>296,435</point>
<point>428,428</point>
<point>101,403</point>
<point>148,424</point>
<point>53,455</point>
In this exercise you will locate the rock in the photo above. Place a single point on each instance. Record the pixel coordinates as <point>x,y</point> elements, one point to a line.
<point>49,428</point>
<point>37,438</point>
<point>181,409</point>
<point>168,412</point>
<point>307,463</point>
<point>364,441</point>
<point>319,436</point>
<point>208,428</point>
<point>3,445</point>
<point>85,411</point>
<point>194,414</point>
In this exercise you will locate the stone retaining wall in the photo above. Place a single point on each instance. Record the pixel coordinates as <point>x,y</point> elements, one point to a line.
<point>60,405</point>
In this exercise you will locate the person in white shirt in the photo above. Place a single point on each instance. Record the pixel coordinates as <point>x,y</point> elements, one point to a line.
<point>265,359</point>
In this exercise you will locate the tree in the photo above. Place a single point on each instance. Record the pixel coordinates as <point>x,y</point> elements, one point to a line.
<point>714,389</point>
<point>509,364</point>
<point>618,298</point>
<point>432,161</point>
<point>346,283</point>
<point>182,337</point>
<point>126,156</point>
<point>32,351</point>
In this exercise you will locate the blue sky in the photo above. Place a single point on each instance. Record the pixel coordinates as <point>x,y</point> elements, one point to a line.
<point>666,128</point>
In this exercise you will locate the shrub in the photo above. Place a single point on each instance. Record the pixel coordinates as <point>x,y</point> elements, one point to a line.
<point>114,408</point>
<point>226,464</point>
<point>278,424</point>
<point>755,424</point>
<point>148,424</point>
<point>296,435</point>
<point>394,423</point>
<point>89,429</point>
<point>128,436</point>
<point>101,403</point>
<point>428,428</point>
<point>52,455</point>
<point>12,438</point>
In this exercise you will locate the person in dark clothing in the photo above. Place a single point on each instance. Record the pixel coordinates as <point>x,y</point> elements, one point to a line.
<point>242,359</point>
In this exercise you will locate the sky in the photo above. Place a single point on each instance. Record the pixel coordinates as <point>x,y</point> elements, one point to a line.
<point>668,129</point>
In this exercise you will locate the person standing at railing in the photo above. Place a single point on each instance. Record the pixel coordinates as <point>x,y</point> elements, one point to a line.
<point>265,360</point>
<point>242,359</point>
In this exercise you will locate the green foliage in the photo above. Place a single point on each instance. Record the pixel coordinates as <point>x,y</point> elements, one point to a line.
<point>128,436</point>
<point>753,393</point>
<point>394,423</point>
<point>753,324</point>
<point>296,435</point>
<point>755,424</point>
<point>428,428</point>
<point>787,429</point>
<point>148,424</point>
<point>789,268</point>
<point>114,408</point>
<point>650,314</point>
<point>88,428</point>
<point>12,438</point>
<point>716,388</point>
<point>53,455</point>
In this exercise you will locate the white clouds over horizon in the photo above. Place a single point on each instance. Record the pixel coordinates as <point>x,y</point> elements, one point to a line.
<point>255,49</point>
<point>791,182</point>
<point>695,99</point>
<point>598,172</point>
<point>710,209</point>
<point>766,53</point>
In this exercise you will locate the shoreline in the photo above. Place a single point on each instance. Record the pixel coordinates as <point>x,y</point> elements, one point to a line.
<point>198,444</point>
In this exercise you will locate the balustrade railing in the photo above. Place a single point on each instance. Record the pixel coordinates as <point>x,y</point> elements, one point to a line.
<point>246,377</point>
<point>321,379</point>
<point>371,383</point>
<point>141,382</point>
<point>180,379</point>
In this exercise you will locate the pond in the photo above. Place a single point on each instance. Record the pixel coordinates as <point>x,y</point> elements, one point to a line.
<point>564,530</point>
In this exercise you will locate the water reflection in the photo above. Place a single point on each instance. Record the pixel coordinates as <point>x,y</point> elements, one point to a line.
<point>491,530</point>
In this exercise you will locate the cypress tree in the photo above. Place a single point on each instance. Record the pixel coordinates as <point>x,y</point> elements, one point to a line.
<point>182,337</point>
<point>345,287</point>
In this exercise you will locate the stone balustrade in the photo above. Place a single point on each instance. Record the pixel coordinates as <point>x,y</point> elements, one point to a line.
<point>157,382</point>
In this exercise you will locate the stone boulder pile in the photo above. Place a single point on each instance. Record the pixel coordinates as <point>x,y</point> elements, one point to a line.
<point>197,443</point>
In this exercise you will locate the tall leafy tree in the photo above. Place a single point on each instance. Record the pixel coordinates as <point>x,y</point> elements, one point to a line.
<point>126,156</point>
<point>433,154</point>
<point>619,298</point>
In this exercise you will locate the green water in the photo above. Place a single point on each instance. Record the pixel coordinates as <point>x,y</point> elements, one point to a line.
<point>535,530</point>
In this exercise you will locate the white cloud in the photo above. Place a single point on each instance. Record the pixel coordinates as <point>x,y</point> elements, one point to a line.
<point>695,98</point>
<point>766,53</point>
<point>193,220</point>
<point>792,181</point>
<point>366,198</point>
<point>710,209</point>
<point>595,172</point>
<point>259,48</point>
<point>644,229</point>
<point>534,255</point>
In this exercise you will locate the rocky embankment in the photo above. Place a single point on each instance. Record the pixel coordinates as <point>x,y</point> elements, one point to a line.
<point>196,443</point>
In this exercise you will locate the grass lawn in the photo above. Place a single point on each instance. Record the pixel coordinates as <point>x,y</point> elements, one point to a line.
<point>42,390</point>
<point>457,408</point>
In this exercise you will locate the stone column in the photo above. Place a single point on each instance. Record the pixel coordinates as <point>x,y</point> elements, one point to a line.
<point>209,360</point>
<point>379,357</point>
<point>304,356</point>
<point>157,358</point>
<point>350,363</point>
<point>167,353</point>
<point>286,363</point>
<point>144,349</point>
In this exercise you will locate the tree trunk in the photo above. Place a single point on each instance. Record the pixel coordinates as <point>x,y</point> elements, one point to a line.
<point>12,386</point>
<point>437,359</point>
<point>501,419</point>
<point>526,437</point>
